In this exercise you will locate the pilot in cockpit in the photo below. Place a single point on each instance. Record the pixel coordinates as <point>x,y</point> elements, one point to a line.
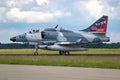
<point>33,31</point>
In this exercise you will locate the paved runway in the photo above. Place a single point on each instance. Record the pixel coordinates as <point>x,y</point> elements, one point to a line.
<point>27,72</point>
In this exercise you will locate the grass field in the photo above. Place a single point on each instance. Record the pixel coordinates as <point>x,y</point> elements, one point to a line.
<point>30,51</point>
<point>76,61</point>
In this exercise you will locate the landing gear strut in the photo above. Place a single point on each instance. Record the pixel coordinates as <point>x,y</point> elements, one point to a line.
<point>64,52</point>
<point>36,50</point>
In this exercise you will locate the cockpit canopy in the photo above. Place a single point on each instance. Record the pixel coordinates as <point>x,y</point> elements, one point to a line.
<point>34,31</point>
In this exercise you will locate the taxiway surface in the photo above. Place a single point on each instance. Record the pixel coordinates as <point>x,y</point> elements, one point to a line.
<point>28,72</point>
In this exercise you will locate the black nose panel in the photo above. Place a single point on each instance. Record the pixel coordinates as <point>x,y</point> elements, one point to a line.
<point>13,39</point>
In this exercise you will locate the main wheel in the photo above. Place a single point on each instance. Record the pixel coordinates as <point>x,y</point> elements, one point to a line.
<point>67,52</point>
<point>35,53</point>
<point>60,52</point>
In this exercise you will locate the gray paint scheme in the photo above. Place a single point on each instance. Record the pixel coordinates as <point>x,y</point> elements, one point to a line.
<point>65,40</point>
<point>73,40</point>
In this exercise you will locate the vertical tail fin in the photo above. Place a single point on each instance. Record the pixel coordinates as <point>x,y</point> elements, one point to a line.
<point>99,29</point>
<point>99,26</point>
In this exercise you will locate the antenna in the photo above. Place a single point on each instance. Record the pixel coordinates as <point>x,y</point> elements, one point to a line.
<point>56,26</point>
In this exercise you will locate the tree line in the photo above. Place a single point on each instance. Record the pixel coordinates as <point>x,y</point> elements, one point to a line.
<point>15,46</point>
<point>103,45</point>
<point>21,46</point>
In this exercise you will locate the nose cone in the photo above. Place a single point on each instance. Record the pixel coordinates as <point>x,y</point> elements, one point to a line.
<point>13,39</point>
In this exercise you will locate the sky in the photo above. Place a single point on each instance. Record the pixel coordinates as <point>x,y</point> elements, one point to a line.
<point>20,16</point>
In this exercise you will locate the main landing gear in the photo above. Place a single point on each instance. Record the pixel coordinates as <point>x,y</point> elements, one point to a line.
<point>36,50</point>
<point>64,52</point>
<point>61,52</point>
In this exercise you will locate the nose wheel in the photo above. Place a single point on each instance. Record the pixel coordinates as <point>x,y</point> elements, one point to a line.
<point>36,50</point>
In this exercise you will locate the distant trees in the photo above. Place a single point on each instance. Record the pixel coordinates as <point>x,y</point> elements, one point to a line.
<point>103,45</point>
<point>20,46</point>
<point>15,46</point>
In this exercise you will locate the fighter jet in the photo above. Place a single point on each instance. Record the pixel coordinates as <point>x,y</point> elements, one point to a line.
<point>64,40</point>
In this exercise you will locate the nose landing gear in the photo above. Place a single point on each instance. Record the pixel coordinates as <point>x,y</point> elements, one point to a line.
<point>36,50</point>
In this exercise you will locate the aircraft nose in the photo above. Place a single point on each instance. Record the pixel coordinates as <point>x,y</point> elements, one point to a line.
<point>13,39</point>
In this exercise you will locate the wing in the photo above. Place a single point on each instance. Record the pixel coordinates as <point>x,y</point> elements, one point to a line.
<point>62,43</point>
<point>77,43</point>
<point>67,43</point>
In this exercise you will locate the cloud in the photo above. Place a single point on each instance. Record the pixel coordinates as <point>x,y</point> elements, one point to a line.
<point>16,15</point>
<point>32,11</point>
<point>42,2</point>
<point>2,13</point>
<point>94,7</point>
<point>47,9</point>
<point>16,3</point>
<point>97,8</point>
